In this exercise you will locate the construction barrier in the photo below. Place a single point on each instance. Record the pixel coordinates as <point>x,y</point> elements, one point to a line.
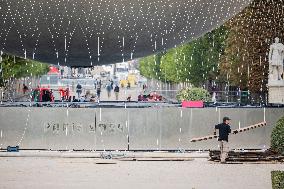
<point>164,128</point>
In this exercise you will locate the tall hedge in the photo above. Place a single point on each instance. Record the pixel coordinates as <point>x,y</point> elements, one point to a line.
<point>277,136</point>
<point>277,178</point>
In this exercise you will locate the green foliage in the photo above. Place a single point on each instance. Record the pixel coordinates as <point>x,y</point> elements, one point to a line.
<point>277,136</point>
<point>15,67</point>
<point>245,61</point>
<point>277,178</point>
<point>194,62</point>
<point>193,94</point>
<point>169,66</point>
<point>150,66</point>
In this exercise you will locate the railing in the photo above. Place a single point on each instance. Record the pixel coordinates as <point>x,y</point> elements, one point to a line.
<point>239,97</point>
<point>235,97</point>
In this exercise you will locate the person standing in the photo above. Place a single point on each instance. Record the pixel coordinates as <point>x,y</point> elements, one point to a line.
<point>116,91</point>
<point>66,93</point>
<point>144,87</point>
<point>73,86</point>
<point>25,88</point>
<point>99,84</point>
<point>95,84</point>
<point>108,88</point>
<point>111,84</point>
<point>79,90</point>
<point>128,85</point>
<point>98,92</point>
<point>224,130</point>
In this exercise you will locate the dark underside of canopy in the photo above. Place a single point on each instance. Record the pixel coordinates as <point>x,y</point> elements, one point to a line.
<point>95,32</point>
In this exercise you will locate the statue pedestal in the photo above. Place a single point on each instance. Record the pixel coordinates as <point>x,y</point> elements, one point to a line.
<point>276,92</point>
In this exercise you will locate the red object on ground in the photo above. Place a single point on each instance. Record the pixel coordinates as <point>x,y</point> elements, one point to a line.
<point>44,95</point>
<point>192,104</point>
<point>64,93</point>
<point>61,92</point>
<point>53,70</point>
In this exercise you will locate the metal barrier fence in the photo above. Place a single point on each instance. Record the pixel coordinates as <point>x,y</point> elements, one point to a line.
<point>237,97</point>
<point>169,91</point>
<point>157,128</point>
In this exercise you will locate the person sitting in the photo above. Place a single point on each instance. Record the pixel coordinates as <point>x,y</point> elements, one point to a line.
<point>88,96</point>
<point>93,98</point>
<point>129,98</point>
<point>151,97</point>
<point>155,96</point>
<point>74,99</point>
<point>25,88</point>
<point>142,97</point>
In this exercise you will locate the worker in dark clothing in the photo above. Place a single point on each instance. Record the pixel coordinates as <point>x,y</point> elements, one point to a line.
<point>116,92</point>
<point>224,130</point>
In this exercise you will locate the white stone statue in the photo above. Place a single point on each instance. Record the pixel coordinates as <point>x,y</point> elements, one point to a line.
<point>276,57</point>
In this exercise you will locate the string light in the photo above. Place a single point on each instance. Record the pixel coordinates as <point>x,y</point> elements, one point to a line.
<point>66,32</point>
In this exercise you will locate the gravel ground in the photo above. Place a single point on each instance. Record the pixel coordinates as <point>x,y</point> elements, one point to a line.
<point>53,172</point>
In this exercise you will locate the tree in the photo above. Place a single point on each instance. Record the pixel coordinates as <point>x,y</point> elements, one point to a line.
<point>150,66</point>
<point>245,62</point>
<point>169,66</point>
<point>194,62</point>
<point>15,67</point>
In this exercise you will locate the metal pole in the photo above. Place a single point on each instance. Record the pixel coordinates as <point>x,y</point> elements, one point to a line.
<point>1,71</point>
<point>1,53</point>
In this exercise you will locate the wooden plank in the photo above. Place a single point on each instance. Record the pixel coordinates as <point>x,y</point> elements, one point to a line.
<point>267,155</point>
<point>236,131</point>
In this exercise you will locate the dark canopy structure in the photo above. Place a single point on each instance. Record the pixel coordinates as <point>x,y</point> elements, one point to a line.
<point>94,32</point>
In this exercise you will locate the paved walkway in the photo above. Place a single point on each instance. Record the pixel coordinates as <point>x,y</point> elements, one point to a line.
<point>123,94</point>
<point>52,172</point>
